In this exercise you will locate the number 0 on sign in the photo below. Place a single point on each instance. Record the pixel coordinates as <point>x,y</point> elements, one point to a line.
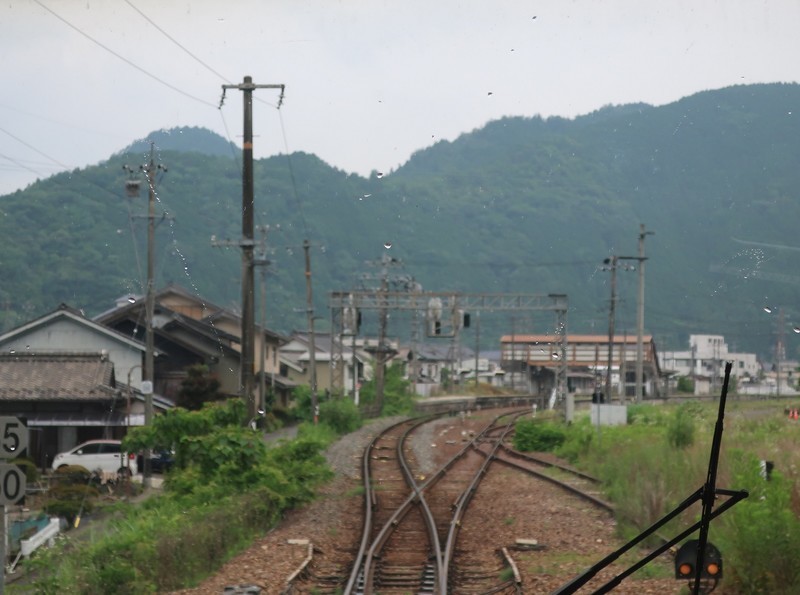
<point>12,484</point>
<point>13,437</point>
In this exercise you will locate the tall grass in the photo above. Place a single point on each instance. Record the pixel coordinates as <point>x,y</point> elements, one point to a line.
<point>661,457</point>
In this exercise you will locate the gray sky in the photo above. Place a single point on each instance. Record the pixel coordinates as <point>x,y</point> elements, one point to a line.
<point>368,82</point>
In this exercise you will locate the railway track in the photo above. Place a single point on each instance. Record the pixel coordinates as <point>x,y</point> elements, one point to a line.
<point>412,522</point>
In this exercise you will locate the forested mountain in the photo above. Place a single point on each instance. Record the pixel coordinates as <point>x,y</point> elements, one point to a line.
<point>522,205</point>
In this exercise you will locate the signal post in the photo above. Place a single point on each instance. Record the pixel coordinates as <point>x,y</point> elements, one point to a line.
<point>13,442</point>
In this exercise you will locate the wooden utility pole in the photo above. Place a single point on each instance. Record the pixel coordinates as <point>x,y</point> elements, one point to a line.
<point>246,385</point>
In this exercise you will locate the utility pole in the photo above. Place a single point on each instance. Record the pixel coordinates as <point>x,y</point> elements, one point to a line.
<point>382,351</point>
<point>132,188</point>
<point>513,354</point>
<point>640,317</point>
<point>262,262</point>
<point>477,345</point>
<point>611,263</point>
<point>780,351</point>
<point>247,243</point>
<point>312,349</point>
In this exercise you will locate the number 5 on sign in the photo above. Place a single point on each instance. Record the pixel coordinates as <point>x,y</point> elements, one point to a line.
<point>12,484</point>
<point>13,437</point>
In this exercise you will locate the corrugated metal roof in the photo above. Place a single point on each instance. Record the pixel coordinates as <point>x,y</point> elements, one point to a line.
<point>56,376</point>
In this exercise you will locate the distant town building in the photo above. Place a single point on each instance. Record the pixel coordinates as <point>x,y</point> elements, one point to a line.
<point>704,362</point>
<point>531,361</point>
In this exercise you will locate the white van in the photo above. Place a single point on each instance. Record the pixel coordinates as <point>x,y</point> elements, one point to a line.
<point>98,455</point>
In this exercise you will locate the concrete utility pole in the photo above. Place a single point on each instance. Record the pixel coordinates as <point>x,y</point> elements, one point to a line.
<point>247,243</point>
<point>611,263</point>
<point>312,349</point>
<point>132,188</point>
<point>262,262</point>
<point>381,351</point>
<point>640,317</point>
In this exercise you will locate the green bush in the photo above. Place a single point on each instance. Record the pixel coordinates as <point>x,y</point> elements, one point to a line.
<point>341,414</point>
<point>28,467</point>
<point>579,439</point>
<point>207,513</point>
<point>531,435</point>
<point>398,399</point>
<point>680,429</point>
<point>685,385</point>
<point>760,536</point>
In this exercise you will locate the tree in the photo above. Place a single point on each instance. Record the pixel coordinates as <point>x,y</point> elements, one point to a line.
<point>198,388</point>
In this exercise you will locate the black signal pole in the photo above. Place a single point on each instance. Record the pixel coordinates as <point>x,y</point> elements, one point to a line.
<point>247,244</point>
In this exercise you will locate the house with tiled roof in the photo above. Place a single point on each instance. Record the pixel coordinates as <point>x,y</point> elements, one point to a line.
<point>65,399</point>
<point>72,379</point>
<point>295,361</point>
<point>190,330</point>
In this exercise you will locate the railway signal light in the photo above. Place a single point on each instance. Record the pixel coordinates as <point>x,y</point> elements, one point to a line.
<point>686,560</point>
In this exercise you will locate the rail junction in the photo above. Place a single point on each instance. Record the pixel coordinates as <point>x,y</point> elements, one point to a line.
<point>420,531</point>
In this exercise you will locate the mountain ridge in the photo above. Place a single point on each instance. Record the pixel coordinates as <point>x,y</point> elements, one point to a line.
<point>520,205</point>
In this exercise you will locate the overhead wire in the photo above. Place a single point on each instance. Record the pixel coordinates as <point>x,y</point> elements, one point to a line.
<point>292,176</point>
<point>124,59</point>
<point>175,41</point>
<point>32,148</point>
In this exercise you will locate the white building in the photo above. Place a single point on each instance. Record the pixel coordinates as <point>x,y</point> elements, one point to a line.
<point>705,361</point>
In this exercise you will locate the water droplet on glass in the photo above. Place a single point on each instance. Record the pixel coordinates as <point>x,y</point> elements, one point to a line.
<point>379,174</point>
<point>132,300</point>
<point>387,245</point>
<point>796,329</point>
<point>556,356</point>
<point>12,351</point>
<point>768,309</point>
<point>367,195</point>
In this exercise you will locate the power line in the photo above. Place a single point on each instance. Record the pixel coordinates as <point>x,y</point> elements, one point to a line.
<point>120,57</point>
<point>173,40</point>
<point>31,147</point>
<point>291,175</point>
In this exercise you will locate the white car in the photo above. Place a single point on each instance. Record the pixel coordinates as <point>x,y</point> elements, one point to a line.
<point>98,455</point>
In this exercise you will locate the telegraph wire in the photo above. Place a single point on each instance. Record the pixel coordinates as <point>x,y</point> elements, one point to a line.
<point>292,176</point>
<point>31,147</point>
<point>119,56</point>
<point>20,164</point>
<point>173,40</point>
<point>189,53</point>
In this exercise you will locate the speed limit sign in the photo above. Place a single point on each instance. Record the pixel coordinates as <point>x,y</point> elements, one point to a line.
<point>13,437</point>
<point>12,484</point>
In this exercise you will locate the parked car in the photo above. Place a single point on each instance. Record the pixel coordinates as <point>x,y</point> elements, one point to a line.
<point>98,455</point>
<point>160,461</point>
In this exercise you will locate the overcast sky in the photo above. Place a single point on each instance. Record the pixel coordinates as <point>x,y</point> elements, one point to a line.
<point>368,82</point>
